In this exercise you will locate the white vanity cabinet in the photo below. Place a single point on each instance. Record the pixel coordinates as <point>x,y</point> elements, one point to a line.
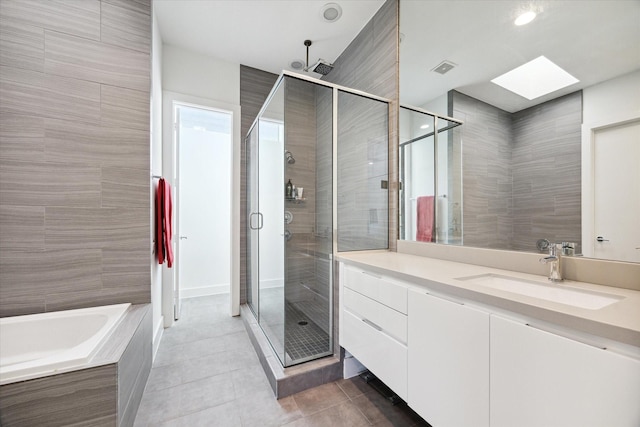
<point>539,378</point>
<point>373,325</point>
<point>448,361</point>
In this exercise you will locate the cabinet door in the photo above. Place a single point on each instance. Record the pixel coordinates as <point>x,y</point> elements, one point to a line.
<point>448,347</point>
<point>542,379</point>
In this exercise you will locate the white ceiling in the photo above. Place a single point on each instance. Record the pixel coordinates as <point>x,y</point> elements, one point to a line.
<point>264,34</point>
<point>592,40</point>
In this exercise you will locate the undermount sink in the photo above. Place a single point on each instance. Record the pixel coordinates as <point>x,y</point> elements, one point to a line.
<point>556,293</point>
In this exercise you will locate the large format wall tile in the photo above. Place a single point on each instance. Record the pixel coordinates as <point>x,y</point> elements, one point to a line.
<point>28,277</point>
<point>80,18</point>
<point>142,6</point>
<point>123,187</point>
<point>124,108</point>
<point>49,184</point>
<point>21,228</point>
<point>522,172</point>
<point>69,228</point>
<point>34,93</point>
<point>21,45</point>
<point>140,294</point>
<point>87,397</point>
<point>74,154</point>
<point>82,143</point>
<point>21,138</point>
<point>126,27</point>
<point>124,268</point>
<point>95,61</point>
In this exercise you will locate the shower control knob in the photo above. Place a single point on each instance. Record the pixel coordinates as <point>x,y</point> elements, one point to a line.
<point>601,239</point>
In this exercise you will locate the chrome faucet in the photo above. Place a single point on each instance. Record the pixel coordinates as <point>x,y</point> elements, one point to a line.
<point>554,261</point>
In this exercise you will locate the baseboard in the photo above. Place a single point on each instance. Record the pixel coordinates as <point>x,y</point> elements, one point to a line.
<point>271,283</point>
<point>157,336</point>
<point>202,291</point>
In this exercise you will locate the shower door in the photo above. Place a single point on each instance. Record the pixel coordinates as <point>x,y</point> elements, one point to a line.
<point>265,218</point>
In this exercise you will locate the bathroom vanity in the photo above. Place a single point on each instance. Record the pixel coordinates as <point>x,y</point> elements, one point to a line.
<point>449,339</point>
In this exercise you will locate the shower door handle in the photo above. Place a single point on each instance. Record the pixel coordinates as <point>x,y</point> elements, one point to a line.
<point>251,221</point>
<point>261,221</point>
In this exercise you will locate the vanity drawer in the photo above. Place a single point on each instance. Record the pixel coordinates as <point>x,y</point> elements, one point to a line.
<point>375,287</point>
<point>381,354</point>
<point>390,321</point>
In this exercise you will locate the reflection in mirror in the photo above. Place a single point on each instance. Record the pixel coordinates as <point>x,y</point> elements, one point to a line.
<point>530,162</point>
<point>431,192</point>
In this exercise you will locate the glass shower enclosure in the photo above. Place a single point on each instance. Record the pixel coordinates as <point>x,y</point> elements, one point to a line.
<point>293,204</point>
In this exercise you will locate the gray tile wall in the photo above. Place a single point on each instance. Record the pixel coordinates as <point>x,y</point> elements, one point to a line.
<point>521,172</point>
<point>370,63</point>
<point>546,163</point>
<point>74,154</point>
<point>255,86</point>
<point>487,185</point>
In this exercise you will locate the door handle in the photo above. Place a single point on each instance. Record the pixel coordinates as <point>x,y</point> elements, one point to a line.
<point>261,222</point>
<point>251,221</point>
<point>601,239</point>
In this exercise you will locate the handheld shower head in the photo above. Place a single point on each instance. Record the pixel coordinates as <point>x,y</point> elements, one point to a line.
<point>289,157</point>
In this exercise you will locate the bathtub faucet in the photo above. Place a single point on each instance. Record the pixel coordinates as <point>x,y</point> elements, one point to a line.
<point>554,261</point>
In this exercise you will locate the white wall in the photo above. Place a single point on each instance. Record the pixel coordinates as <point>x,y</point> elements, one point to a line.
<point>194,74</point>
<point>611,100</point>
<point>156,169</point>
<point>201,80</point>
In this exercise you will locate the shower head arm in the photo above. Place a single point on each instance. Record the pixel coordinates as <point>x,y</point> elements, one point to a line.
<point>307,43</point>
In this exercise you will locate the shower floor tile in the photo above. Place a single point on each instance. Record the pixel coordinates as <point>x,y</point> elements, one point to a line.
<point>303,337</point>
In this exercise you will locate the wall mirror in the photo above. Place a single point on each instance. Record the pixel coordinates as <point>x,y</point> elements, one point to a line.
<point>484,166</point>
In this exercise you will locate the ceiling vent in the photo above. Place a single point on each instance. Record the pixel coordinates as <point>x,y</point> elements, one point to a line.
<point>444,67</point>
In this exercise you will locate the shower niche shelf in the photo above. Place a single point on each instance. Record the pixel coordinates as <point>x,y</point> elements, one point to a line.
<point>295,201</point>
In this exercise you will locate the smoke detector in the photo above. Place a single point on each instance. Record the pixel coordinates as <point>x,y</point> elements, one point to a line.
<point>444,67</point>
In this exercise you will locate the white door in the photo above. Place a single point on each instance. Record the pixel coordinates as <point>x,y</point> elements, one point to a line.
<point>204,145</point>
<point>616,197</point>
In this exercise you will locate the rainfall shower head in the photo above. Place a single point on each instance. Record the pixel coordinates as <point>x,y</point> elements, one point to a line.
<point>322,67</point>
<point>289,157</point>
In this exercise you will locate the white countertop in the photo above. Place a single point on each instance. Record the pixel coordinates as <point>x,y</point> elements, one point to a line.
<point>619,321</point>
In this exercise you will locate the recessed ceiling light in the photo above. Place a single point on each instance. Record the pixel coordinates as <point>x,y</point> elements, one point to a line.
<point>525,18</point>
<point>535,78</point>
<point>297,64</point>
<point>331,12</point>
<point>424,126</point>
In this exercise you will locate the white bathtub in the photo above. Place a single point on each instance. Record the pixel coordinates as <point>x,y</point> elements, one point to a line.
<point>36,345</point>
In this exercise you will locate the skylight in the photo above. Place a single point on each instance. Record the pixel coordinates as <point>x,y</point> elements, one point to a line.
<point>535,78</point>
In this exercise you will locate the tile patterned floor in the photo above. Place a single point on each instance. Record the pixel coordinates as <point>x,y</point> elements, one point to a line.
<point>206,373</point>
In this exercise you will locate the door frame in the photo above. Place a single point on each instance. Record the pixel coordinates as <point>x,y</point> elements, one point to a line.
<point>170,171</point>
<point>588,175</point>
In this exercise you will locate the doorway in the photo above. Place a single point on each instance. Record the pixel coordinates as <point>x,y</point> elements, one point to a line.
<point>201,160</point>
<point>204,148</point>
<point>611,230</point>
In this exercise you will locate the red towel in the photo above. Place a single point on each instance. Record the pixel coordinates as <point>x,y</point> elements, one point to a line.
<point>164,231</point>
<point>424,219</point>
